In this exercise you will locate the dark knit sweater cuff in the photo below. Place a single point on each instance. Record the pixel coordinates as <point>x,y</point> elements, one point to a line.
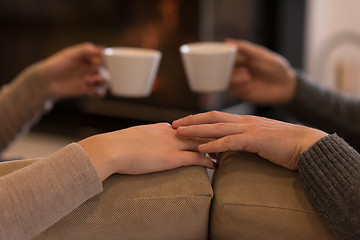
<point>304,89</point>
<point>328,167</point>
<point>329,172</point>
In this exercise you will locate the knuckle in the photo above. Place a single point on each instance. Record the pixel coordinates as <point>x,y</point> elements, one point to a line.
<point>163,124</point>
<point>214,113</point>
<point>248,118</point>
<point>88,44</point>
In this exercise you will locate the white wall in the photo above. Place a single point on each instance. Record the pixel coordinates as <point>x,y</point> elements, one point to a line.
<point>332,44</point>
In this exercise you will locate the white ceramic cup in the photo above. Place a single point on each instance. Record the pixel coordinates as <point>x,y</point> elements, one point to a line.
<point>131,71</point>
<point>208,65</point>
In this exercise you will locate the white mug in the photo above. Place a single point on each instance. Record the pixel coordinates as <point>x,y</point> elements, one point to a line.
<point>131,71</point>
<point>208,65</point>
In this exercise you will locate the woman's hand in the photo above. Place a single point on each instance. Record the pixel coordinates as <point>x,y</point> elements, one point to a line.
<point>142,149</point>
<point>261,76</point>
<point>279,142</point>
<point>73,72</point>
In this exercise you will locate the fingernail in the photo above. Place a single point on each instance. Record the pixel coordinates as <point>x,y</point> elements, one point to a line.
<point>201,146</point>
<point>215,165</point>
<point>174,123</point>
<point>181,128</point>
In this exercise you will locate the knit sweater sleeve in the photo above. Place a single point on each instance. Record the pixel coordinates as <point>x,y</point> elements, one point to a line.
<point>37,196</point>
<point>327,110</point>
<point>22,102</point>
<point>330,173</point>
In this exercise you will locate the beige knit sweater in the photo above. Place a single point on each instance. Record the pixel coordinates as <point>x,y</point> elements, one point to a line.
<point>35,197</point>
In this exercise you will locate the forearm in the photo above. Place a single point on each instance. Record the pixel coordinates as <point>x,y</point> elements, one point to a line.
<point>21,103</point>
<point>330,173</point>
<point>35,197</point>
<point>326,110</point>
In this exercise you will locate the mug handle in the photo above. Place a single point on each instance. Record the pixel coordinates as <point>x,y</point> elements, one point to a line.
<point>102,90</point>
<point>104,73</point>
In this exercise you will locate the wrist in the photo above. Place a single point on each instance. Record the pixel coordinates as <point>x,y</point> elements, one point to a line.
<point>312,137</point>
<point>45,77</point>
<point>102,164</point>
<point>32,80</point>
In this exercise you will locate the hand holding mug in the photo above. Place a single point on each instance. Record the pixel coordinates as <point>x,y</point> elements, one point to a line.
<point>261,76</point>
<point>73,71</point>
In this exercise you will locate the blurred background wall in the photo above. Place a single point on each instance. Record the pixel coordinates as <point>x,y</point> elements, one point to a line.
<point>332,44</point>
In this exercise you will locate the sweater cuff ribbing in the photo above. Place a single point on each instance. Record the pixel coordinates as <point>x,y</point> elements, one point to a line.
<point>328,167</point>
<point>329,172</point>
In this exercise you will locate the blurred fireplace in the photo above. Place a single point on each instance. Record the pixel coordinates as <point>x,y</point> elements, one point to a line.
<point>33,30</point>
